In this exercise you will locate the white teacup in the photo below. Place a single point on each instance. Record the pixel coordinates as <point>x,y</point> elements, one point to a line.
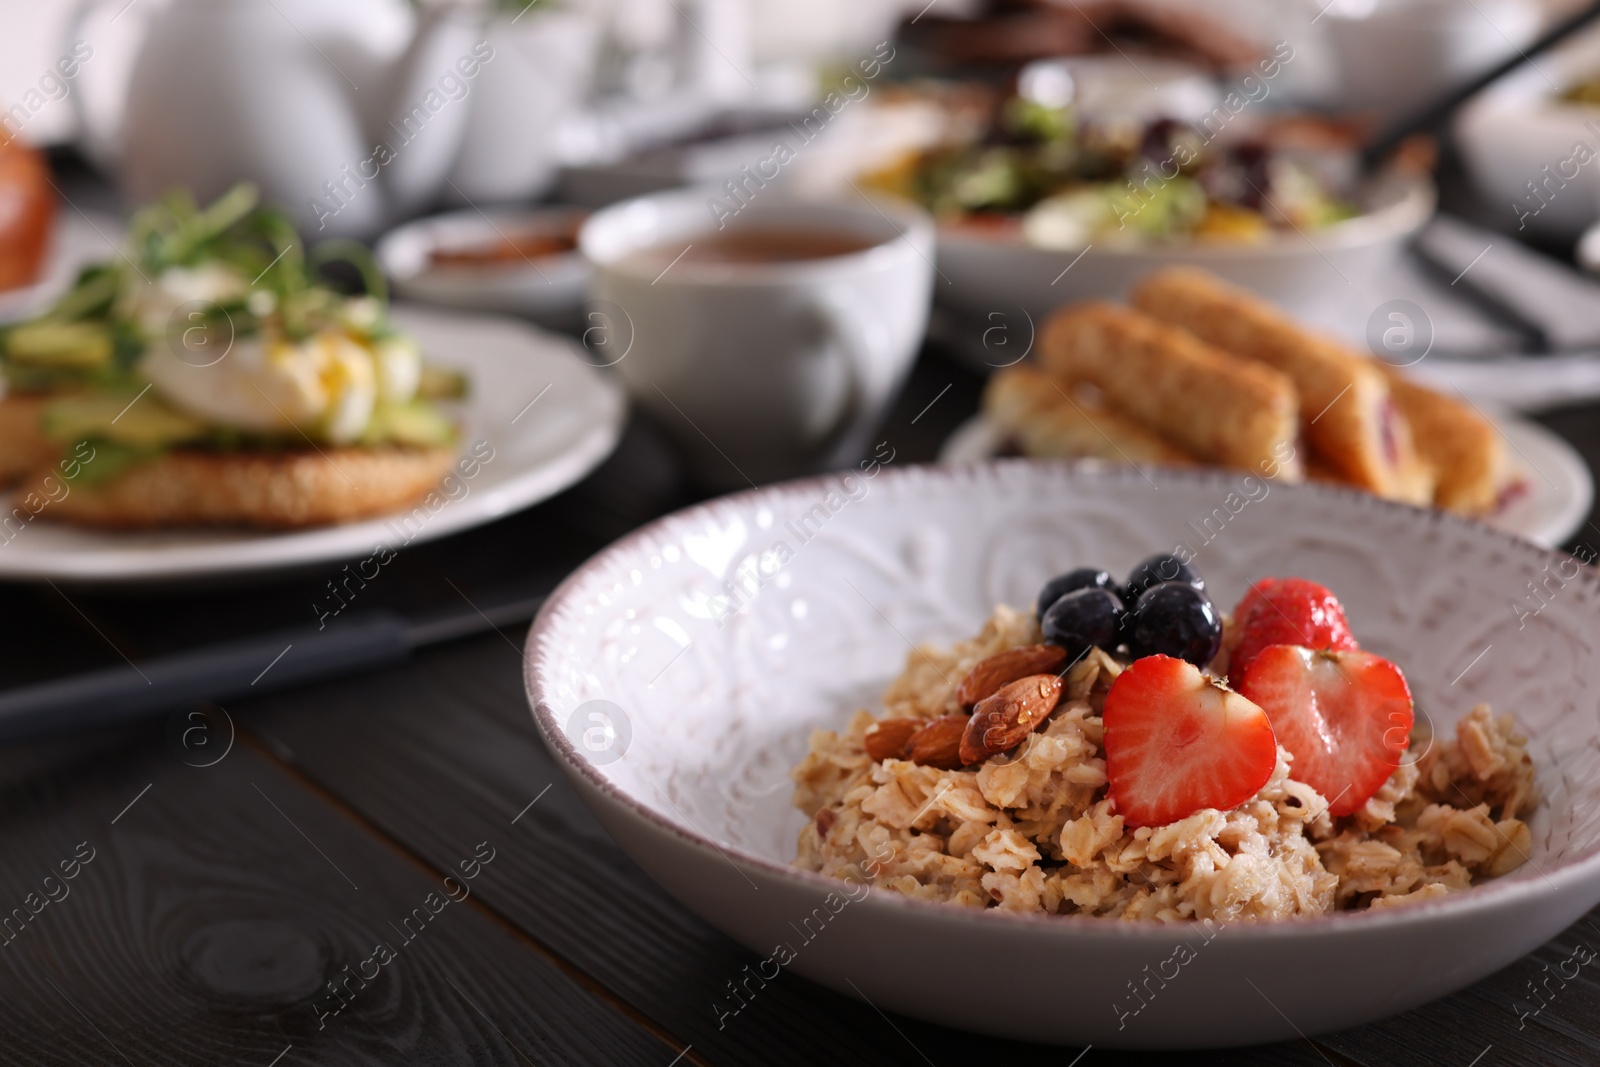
<point>762,370</point>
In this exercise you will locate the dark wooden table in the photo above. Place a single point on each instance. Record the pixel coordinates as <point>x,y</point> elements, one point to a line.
<point>230,863</point>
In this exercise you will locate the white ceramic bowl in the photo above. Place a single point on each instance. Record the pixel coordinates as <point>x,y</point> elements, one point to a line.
<point>1399,56</point>
<point>686,757</point>
<point>549,289</point>
<point>1511,132</point>
<point>983,275</point>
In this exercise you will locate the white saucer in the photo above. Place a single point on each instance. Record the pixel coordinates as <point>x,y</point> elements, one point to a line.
<point>548,289</point>
<point>1555,505</point>
<point>548,416</point>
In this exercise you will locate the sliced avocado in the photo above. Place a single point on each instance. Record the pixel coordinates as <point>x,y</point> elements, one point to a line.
<point>132,419</point>
<point>105,460</point>
<point>91,296</point>
<point>441,383</point>
<point>48,343</point>
<point>417,423</point>
<point>23,378</point>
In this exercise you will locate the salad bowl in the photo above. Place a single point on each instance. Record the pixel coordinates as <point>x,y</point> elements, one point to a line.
<point>678,675</point>
<point>985,275</point>
<point>1094,171</point>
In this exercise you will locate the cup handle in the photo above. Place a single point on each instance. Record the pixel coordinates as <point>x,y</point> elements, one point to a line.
<point>844,336</point>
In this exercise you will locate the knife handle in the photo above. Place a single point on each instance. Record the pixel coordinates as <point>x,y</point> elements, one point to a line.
<point>250,667</point>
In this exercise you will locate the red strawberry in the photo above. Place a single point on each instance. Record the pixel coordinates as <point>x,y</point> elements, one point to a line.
<point>1287,611</point>
<point>1345,716</point>
<point>1177,741</point>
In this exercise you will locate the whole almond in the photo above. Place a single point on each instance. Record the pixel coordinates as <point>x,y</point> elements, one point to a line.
<point>1005,719</point>
<point>1002,668</point>
<point>938,744</point>
<point>887,739</point>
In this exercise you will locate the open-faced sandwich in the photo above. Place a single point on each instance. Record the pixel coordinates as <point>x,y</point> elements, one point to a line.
<point>206,377</point>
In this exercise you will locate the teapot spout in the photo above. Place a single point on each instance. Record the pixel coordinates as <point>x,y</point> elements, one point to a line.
<point>427,100</point>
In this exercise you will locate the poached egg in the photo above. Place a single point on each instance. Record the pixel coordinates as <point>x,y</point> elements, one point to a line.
<point>325,386</point>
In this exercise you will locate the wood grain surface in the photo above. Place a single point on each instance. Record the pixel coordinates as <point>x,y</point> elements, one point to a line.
<point>217,904</point>
<point>221,899</point>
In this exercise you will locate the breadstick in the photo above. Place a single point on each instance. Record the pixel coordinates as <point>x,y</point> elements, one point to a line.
<point>1463,447</point>
<point>1349,421</point>
<point>1221,410</point>
<point>1052,420</point>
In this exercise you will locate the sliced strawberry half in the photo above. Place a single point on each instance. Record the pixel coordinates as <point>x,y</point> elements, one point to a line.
<point>1177,741</point>
<point>1345,716</point>
<point>1287,611</point>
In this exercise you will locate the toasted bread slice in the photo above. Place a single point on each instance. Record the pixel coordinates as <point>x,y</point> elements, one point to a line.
<point>275,490</point>
<point>1351,423</point>
<point>1053,420</point>
<point>1223,410</point>
<point>23,448</point>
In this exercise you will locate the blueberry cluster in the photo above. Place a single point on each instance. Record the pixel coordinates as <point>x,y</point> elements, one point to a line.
<point>1162,609</point>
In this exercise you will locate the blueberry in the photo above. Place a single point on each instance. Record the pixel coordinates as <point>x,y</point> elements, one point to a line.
<point>1155,570</point>
<point>1084,618</point>
<point>1082,578</point>
<point>1175,619</point>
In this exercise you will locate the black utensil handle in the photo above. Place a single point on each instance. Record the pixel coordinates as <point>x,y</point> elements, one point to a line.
<point>1435,113</point>
<point>219,672</point>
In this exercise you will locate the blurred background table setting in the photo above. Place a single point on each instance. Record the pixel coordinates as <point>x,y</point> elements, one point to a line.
<point>337,334</point>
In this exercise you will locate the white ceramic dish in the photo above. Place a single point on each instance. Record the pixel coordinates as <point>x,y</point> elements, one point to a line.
<point>1397,57</point>
<point>548,417</point>
<point>1555,505</point>
<point>686,762</point>
<point>76,241</point>
<point>547,289</point>
<point>1520,144</point>
<point>981,275</point>
<point>1588,251</point>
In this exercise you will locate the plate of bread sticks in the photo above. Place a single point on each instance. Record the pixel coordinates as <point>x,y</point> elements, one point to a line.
<point>1196,372</point>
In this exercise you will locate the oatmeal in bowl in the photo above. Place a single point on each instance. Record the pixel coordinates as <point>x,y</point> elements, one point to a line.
<point>1095,827</point>
<point>1104,757</point>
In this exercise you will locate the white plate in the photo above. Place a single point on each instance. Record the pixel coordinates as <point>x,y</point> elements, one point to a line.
<point>708,710</point>
<point>548,416</point>
<point>550,289</point>
<point>1560,488</point>
<point>78,240</point>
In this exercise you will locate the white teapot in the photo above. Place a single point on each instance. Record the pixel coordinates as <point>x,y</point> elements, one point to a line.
<point>348,113</point>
